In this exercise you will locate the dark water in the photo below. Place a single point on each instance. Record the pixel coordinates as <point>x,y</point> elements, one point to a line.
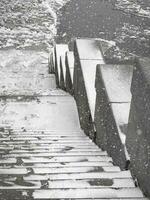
<point>104,19</point>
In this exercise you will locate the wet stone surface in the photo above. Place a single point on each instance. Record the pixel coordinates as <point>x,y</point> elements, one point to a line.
<point>126,23</point>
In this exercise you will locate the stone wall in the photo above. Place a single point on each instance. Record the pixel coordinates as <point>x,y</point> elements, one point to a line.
<point>138,136</point>
<point>112,110</point>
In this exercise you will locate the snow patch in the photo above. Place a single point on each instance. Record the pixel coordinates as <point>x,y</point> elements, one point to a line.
<point>30,25</point>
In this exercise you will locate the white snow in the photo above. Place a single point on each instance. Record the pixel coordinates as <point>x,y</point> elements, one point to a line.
<point>133,7</point>
<point>25,72</point>
<point>30,25</point>
<point>117,81</point>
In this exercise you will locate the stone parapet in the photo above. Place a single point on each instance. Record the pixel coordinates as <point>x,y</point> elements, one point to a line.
<point>87,56</point>
<point>112,110</point>
<point>138,137</point>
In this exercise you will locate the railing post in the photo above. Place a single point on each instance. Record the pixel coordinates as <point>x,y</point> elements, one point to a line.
<point>138,136</point>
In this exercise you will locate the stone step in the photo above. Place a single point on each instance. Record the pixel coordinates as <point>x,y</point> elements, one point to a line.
<point>123,198</point>
<point>86,143</point>
<point>68,184</point>
<point>13,171</point>
<point>40,113</point>
<point>92,183</point>
<point>8,161</point>
<point>66,159</point>
<point>79,176</point>
<point>55,134</point>
<point>87,193</point>
<point>49,146</point>
<point>47,135</point>
<point>34,139</point>
<point>49,154</point>
<point>50,150</point>
<point>15,185</point>
<point>30,148</point>
<point>60,170</point>
<point>57,165</point>
<point>72,170</point>
<point>18,130</point>
<point>43,137</point>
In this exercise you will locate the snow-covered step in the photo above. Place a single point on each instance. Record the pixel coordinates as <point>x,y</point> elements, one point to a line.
<point>13,185</point>
<point>71,170</point>
<point>25,73</point>
<point>45,137</point>
<point>57,148</point>
<point>79,176</point>
<point>133,198</point>
<point>87,193</point>
<point>66,159</point>
<point>70,184</point>
<point>50,143</point>
<point>46,133</point>
<point>13,171</point>
<point>56,152</point>
<point>65,165</point>
<point>52,113</point>
<point>60,170</point>
<point>92,183</point>
<point>41,140</point>
<point>59,154</point>
<point>49,146</point>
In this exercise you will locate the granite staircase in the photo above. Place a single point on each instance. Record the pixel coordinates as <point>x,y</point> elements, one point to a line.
<point>44,154</point>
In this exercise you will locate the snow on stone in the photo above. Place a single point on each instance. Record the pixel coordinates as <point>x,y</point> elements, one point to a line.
<point>89,55</point>
<point>29,25</point>
<point>133,7</point>
<point>70,58</point>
